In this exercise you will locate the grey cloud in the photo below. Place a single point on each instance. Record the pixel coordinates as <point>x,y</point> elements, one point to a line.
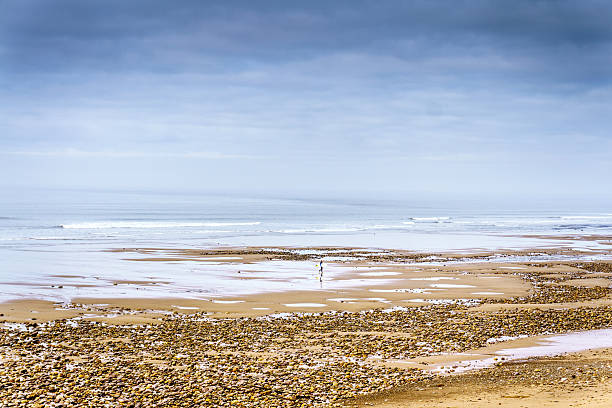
<point>379,89</point>
<point>160,36</point>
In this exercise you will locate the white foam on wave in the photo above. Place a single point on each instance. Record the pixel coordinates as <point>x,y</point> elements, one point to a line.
<point>587,217</point>
<point>402,226</point>
<point>430,219</point>
<point>151,224</point>
<point>384,227</point>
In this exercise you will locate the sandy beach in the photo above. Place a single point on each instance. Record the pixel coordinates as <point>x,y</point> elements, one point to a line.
<point>322,204</point>
<point>384,328</point>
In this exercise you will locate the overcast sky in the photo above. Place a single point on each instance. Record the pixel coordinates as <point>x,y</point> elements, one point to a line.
<point>411,96</point>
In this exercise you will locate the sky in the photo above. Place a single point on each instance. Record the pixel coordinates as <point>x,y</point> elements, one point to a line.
<point>380,97</point>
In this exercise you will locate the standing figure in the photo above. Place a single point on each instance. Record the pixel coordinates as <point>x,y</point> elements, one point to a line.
<point>321,271</point>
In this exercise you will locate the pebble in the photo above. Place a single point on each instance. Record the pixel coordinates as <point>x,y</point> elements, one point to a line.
<point>300,360</point>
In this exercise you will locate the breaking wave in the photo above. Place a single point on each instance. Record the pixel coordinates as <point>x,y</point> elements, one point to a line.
<point>152,224</point>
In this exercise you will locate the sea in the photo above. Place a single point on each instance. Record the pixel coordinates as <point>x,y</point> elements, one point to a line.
<point>64,236</point>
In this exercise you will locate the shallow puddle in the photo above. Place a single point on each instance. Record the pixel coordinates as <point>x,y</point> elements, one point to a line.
<point>544,347</point>
<point>450,285</point>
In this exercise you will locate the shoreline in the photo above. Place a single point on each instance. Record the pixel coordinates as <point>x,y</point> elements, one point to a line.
<point>378,332</point>
<point>355,279</point>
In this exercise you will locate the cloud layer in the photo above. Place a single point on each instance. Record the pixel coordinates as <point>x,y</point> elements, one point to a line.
<point>411,96</point>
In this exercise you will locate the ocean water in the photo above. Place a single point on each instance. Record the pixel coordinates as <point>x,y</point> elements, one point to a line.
<point>47,233</point>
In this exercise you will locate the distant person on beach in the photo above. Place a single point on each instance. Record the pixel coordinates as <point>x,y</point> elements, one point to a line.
<point>321,270</point>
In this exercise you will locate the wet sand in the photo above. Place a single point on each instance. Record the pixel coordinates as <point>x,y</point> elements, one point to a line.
<point>573,380</point>
<point>354,280</point>
<point>406,287</point>
<point>371,332</point>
